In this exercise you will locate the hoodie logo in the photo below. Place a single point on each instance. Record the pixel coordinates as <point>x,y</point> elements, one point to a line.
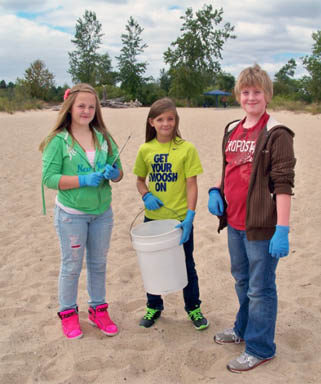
<point>71,151</point>
<point>104,146</point>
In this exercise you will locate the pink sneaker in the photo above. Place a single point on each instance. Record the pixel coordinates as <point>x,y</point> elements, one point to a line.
<point>70,324</point>
<point>99,317</point>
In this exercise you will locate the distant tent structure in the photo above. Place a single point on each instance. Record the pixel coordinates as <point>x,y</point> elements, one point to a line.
<point>216,93</point>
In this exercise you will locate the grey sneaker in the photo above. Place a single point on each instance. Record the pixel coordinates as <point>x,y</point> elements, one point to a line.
<point>245,362</point>
<point>227,336</point>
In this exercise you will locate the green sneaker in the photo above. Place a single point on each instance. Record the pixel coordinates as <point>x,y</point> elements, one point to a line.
<point>199,321</point>
<point>150,317</point>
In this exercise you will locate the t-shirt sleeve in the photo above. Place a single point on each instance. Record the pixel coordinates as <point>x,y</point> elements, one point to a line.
<point>193,166</point>
<point>140,167</point>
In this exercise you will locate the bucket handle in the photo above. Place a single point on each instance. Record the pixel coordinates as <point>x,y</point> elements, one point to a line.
<point>142,210</point>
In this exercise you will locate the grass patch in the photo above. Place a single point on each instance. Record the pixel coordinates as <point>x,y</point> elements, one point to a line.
<point>17,100</point>
<point>14,105</point>
<point>279,103</point>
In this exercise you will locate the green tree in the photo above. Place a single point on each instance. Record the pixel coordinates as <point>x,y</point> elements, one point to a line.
<point>151,92</point>
<point>284,84</point>
<point>131,71</point>
<point>3,84</point>
<point>165,80</point>
<point>225,82</point>
<point>37,80</point>
<point>194,56</point>
<point>86,64</point>
<point>286,72</point>
<point>104,74</point>
<point>312,64</point>
<point>302,90</point>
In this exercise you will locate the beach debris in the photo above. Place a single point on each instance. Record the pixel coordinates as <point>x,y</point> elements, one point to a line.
<point>111,103</point>
<point>120,103</point>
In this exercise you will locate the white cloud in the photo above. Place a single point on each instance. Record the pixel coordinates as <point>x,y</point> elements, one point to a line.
<point>28,42</point>
<point>249,29</point>
<point>267,33</point>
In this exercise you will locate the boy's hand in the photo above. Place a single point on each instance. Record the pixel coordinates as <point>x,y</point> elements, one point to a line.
<point>151,202</point>
<point>91,180</point>
<point>111,172</point>
<point>215,202</point>
<point>186,225</point>
<point>279,244</point>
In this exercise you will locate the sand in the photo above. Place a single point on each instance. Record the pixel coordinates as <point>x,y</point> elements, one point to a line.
<point>32,347</point>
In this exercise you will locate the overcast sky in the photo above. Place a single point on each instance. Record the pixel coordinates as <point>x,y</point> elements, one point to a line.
<point>269,32</point>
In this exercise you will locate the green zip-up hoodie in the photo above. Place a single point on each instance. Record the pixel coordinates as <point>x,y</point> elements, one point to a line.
<point>64,157</point>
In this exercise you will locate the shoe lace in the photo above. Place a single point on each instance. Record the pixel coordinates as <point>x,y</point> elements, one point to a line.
<point>196,314</point>
<point>246,358</point>
<point>150,313</point>
<point>70,322</point>
<point>103,316</point>
<point>231,332</point>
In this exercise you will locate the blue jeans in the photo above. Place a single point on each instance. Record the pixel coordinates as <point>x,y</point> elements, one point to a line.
<point>191,292</point>
<point>253,269</point>
<point>77,233</point>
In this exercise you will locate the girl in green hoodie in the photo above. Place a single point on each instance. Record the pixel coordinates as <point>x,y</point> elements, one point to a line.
<point>79,161</point>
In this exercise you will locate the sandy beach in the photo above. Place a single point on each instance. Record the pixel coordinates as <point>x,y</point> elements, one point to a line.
<point>32,346</point>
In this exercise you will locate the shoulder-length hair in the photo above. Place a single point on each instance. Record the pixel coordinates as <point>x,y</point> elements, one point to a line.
<point>157,108</point>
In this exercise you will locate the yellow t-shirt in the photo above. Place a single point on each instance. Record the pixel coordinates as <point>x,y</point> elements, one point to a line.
<point>167,166</point>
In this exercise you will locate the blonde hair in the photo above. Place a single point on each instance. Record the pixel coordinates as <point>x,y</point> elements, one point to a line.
<point>64,117</point>
<point>254,77</point>
<point>157,108</point>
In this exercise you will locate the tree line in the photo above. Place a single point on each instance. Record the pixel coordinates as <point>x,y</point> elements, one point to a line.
<point>194,62</point>
<point>308,87</point>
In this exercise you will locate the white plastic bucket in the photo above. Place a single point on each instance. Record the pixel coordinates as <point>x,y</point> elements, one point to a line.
<point>161,258</point>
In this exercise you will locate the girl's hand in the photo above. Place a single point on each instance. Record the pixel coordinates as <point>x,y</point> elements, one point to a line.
<point>111,172</point>
<point>91,180</point>
<point>151,202</point>
<point>186,226</point>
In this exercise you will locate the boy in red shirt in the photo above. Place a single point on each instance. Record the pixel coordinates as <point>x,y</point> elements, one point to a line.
<point>253,200</point>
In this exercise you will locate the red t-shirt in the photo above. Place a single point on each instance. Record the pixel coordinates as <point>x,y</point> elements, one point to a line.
<point>239,152</point>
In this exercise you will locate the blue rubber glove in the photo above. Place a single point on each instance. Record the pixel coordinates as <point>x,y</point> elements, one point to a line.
<point>111,172</point>
<point>151,202</point>
<point>91,180</point>
<point>279,244</point>
<point>186,226</point>
<point>215,202</point>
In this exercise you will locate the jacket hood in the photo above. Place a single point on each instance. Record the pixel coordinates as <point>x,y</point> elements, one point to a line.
<point>66,136</point>
<point>272,123</point>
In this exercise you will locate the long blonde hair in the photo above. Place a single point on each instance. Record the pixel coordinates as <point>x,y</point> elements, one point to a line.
<point>64,117</point>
